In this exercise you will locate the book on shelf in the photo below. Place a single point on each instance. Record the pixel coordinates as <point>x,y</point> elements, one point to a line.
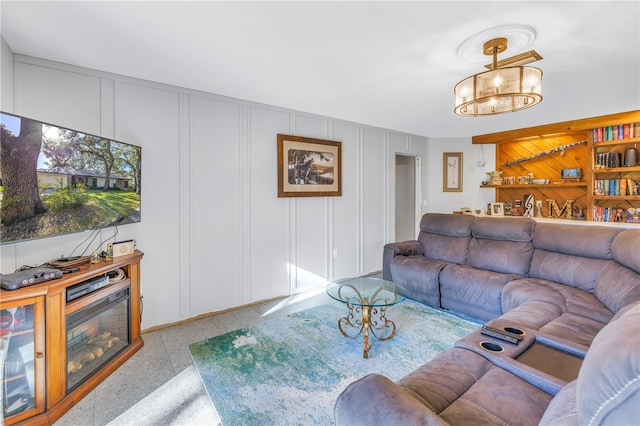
<point>621,187</point>
<point>608,159</point>
<point>616,214</point>
<point>617,132</point>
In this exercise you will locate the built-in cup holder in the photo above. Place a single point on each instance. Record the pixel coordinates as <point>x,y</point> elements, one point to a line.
<point>514,330</point>
<point>493,347</point>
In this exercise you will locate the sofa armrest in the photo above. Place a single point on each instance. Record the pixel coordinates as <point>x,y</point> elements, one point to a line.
<point>403,248</point>
<point>376,400</point>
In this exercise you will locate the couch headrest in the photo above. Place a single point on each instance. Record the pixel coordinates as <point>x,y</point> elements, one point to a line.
<point>455,225</point>
<point>586,241</point>
<point>608,390</point>
<point>626,249</point>
<point>504,228</point>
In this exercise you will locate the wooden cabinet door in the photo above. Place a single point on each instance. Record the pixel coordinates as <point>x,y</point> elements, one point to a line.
<point>22,352</point>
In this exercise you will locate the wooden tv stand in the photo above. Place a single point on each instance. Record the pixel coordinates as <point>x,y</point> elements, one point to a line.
<point>45,328</point>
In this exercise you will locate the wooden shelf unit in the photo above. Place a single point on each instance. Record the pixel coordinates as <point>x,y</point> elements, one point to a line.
<point>51,398</point>
<point>514,145</point>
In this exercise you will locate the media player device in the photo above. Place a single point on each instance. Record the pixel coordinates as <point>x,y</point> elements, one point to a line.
<point>85,287</point>
<point>28,277</point>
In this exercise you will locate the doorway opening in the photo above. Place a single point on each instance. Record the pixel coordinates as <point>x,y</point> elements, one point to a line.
<point>408,198</point>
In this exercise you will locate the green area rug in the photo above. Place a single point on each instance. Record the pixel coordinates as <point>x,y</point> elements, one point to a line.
<point>290,370</point>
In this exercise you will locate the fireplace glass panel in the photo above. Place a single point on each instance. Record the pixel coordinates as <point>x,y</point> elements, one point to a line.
<point>95,334</point>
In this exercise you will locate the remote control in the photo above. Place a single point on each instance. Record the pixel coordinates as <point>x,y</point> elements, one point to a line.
<point>501,334</point>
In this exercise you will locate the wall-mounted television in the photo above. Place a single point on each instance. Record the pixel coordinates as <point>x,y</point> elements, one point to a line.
<point>55,180</point>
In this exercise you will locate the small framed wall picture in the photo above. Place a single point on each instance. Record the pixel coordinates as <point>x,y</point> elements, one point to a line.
<point>452,172</point>
<point>497,209</point>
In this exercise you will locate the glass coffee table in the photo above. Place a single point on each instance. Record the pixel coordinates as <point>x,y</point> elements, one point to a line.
<point>367,300</point>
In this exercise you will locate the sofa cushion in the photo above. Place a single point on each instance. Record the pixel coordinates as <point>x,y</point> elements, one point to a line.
<point>504,228</point>
<point>447,224</point>
<point>533,314</point>
<point>445,237</point>
<point>593,242</point>
<point>523,290</point>
<point>376,400</point>
<point>567,298</point>
<point>625,249</point>
<point>501,244</point>
<point>616,286</point>
<point>419,276</point>
<point>471,291</point>
<point>570,332</point>
<point>500,256</point>
<point>445,248</point>
<point>454,388</point>
<point>574,271</point>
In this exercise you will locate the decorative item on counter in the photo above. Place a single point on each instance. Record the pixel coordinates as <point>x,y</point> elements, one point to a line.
<point>508,180</point>
<point>553,206</point>
<point>529,201</point>
<point>494,177</point>
<point>577,212</point>
<point>508,207</point>
<point>516,209</point>
<point>95,257</point>
<point>497,209</point>
<point>478,212</point>
<point>619,214</point>
<point>539,208</point>
<point>465,210</point>
<point>633,215</point>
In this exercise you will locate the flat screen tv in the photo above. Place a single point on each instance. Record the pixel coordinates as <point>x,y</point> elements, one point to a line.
<point>55,180</point>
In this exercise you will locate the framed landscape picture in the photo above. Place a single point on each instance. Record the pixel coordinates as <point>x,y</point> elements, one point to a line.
<point>452,172</point>
<point>309,167</point>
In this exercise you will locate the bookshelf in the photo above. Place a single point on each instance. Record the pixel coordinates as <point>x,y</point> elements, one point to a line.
<point>615,183</point>
<point>583,144</point>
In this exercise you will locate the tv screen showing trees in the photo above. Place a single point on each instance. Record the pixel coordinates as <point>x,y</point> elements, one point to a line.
<point>55,180</point>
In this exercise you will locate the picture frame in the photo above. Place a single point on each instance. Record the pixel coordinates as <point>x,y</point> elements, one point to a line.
<point>497,209</point>
<point>508,209</point>
<point>452,171</point>
<point>309,167</point>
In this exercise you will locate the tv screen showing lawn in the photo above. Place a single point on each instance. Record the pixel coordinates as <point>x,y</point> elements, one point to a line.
<point>55,180</point>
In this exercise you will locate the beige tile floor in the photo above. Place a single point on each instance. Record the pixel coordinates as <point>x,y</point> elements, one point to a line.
<point>159,385</point>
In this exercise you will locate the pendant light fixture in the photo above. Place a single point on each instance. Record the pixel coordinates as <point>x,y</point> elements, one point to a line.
<point>505,88</point>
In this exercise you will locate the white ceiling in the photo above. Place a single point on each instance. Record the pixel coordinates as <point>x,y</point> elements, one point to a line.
<point>387,64</point>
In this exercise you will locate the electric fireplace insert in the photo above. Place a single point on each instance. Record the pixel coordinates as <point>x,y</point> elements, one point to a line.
<point>96,333</point>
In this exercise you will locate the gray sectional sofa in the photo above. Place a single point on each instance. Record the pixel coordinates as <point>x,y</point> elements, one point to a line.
<point>573,294</point>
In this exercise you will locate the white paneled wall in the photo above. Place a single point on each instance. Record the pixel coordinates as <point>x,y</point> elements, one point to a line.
<point>214,232</point>
<point>473,174</point>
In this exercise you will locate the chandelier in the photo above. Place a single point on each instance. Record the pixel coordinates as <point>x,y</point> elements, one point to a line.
<point>507,87</point>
